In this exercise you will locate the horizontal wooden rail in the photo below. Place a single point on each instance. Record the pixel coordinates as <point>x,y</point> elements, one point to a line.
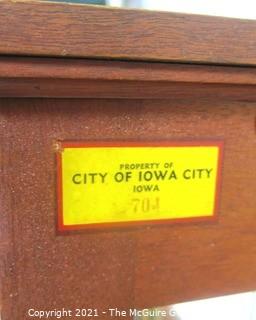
<point>62,68</point>
<point>81,78</point>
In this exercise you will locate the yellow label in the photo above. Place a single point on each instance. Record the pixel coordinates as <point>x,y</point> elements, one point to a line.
<point>131,183</point>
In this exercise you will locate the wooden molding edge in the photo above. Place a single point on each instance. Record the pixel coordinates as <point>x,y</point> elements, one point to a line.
<point>82,78</point>
<point>85,69</point>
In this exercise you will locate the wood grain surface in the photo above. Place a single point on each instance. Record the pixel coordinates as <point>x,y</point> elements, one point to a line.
<point>57,29</point>
<point>81,78</point>
<point>138,267</point>
<point>89,69</point>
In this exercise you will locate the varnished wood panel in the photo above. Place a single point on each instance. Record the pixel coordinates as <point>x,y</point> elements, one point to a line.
<point>128,267</point>
<point>55,29</point>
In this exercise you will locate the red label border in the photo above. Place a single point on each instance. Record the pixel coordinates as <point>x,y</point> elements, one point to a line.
<point>175,143</point>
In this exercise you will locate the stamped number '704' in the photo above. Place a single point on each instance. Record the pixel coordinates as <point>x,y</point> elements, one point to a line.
<point>145,204</point>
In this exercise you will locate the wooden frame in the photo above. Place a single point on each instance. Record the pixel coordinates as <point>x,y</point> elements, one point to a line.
<point>62,79</point>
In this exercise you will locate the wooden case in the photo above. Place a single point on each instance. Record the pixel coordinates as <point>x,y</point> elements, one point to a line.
<point>73,72</point>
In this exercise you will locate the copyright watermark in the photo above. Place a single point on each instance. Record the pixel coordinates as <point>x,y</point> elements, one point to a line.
<point>90,312</point>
